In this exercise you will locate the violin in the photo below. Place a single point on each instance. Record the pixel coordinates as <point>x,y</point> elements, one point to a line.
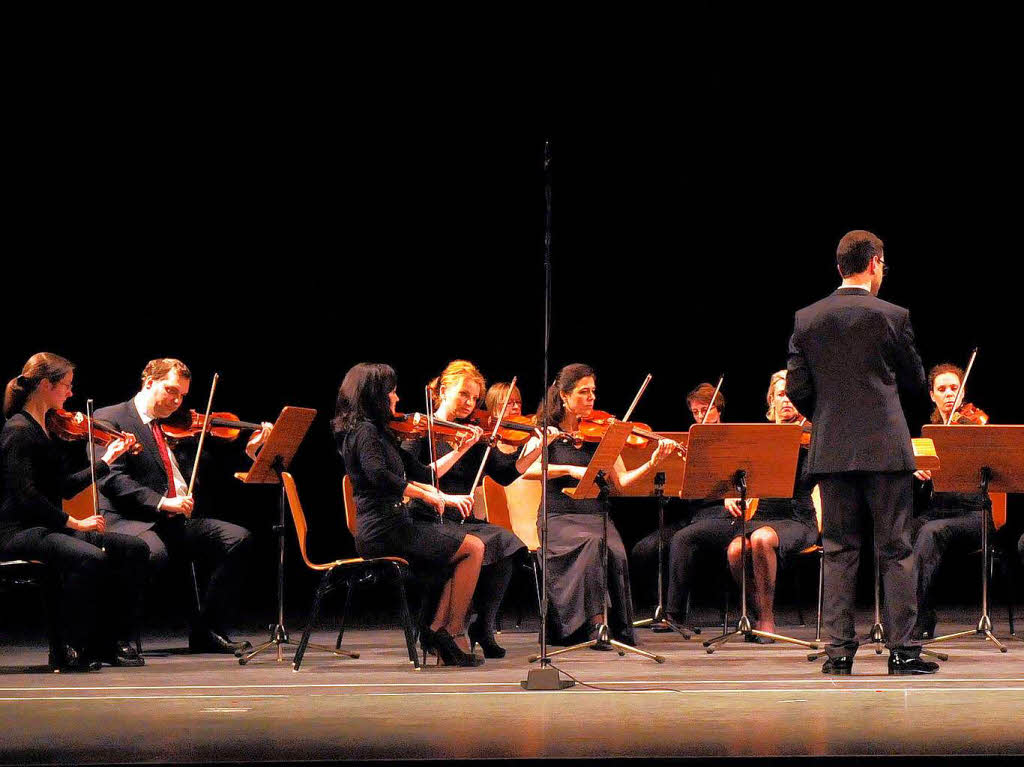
<point>414,426</point>
<point>595,426</point>
<point>969,415</point>
<point>515,429</point>
<point>74,426</point>
<point>183,424</point>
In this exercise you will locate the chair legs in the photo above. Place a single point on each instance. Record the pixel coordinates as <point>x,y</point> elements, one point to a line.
<point>314,612</point>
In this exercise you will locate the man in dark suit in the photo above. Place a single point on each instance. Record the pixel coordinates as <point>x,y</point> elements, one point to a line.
<point>147,495</point>
<point>851,357</point>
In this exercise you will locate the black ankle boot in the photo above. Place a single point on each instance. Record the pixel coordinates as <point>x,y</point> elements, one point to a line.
<point>479,636</point>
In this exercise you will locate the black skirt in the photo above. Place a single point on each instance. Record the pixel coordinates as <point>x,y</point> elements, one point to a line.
<point>426,545</point>
<point>794,536</point>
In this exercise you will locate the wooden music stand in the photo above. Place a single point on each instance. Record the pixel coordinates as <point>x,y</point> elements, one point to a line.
<point>758,459</point>
<point>274,458</point>
<point>595,485</point>
<point>978,459</point>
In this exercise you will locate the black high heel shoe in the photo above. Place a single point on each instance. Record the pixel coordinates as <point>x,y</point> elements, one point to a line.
<point>70,659</point>
<point>479,636</point>
<point>450,654</point>
<point>428,642</point>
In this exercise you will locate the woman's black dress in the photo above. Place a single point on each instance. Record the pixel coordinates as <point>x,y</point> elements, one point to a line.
<point>792,519</point>
<point>98,593</point>
<point>574,560</point>
<point>379,472</point>
<point>499,543</point>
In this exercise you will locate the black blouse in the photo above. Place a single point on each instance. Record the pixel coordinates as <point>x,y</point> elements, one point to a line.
<point>35,477</point>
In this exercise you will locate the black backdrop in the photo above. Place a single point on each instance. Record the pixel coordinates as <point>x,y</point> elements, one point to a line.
<point>278,251</point>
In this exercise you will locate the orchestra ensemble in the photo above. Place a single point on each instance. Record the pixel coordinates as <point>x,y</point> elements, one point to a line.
<point>851,367</point>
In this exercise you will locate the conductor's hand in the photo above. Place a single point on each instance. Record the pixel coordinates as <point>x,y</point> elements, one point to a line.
<point>258,439</point>
<point>114,450</point>
<point>923,474</point>
<point>464,503</point>
<point>95,523</point>
<point>732,505</point>
<point>179,504</point>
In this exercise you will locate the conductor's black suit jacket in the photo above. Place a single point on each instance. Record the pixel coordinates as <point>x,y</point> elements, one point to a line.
<point>851,357</point>
<point>129,494</point>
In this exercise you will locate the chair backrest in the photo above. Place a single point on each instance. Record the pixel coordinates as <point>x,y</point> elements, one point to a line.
<point>298,516</point>
<point>496,504</point>
<point>350,504</point>
<point>522,499</point>
<point>998,509</point>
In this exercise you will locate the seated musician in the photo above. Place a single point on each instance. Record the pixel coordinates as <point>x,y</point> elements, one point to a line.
<point>780,527</point>
<point>947,519</point>
<point>643,558</point>
<point>147,495</point>
<point>710,525</point>
<point>492,402</point>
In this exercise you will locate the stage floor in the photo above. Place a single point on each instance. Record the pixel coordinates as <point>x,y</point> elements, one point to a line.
<point>744,700</point>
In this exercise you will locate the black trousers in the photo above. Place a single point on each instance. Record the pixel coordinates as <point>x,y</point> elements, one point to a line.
<point>643,558</point>
<point>219,549</point>
<point>932,537</point>
<point>96,593</point>
<point>848,501</point>
<point>713,534</point>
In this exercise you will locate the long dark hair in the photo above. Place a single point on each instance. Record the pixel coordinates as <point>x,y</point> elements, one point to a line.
<point>565,382</point>
<point>363,395</point>
<point>43,365</point>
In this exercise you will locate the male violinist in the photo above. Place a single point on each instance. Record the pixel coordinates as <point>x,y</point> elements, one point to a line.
<point>148,496</point>
<point>851,356</point>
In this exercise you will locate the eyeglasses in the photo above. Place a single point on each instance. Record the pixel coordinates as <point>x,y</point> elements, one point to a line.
<point>885,266</point>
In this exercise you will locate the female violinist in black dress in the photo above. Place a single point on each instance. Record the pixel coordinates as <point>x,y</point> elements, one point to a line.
<point>576,597</point>
<point>98,576</point>
<point>382,475</point>
<point>456,394</point>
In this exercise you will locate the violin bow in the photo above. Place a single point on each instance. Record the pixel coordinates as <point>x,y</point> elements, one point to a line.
<point>92,467</point>
<point>636,399</point>
<point>960,392</point>
<point>494,435</point>
<point>714,396</point>
<point>202,434</point>
<point>432,453</point>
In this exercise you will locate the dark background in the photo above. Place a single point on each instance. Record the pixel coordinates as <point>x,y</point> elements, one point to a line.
<point>279,244</point>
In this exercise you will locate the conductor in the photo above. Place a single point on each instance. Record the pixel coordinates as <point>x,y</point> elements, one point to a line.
<point>851,357</point>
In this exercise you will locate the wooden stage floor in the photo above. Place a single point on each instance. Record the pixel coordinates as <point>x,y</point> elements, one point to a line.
<point>745,700</point>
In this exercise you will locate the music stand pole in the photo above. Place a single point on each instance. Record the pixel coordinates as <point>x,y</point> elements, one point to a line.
<point>660,618</point>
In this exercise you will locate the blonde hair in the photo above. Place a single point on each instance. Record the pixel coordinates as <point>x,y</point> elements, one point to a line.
<point>456,370</point>
<point>160,369</point>
<point>496,396</point>
<point>776,377</point>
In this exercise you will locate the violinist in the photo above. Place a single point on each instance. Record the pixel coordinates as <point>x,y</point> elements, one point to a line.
<point>947,520</point>
<point>99,572</point>
<point>643,557</point>
<point>781,527</point>
<point>382,475</point>
<point>711,526</point>
<point>576,527</point>
<point>456,393</point>
<point>146,495</point>
<point>492,402</point>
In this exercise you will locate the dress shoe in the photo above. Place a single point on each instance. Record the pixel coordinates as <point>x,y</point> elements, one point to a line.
<point>905,664</point>
<point>758,639</point>
<point>841,665</point>
<point>123,654</point>
<point>210,641</point>
<point>450,654</point>
<point>69,659</point>
<point>478,635</point>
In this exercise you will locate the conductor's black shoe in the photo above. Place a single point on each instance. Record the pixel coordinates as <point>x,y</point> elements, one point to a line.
<point>903,664</point>
<point>69,659</point>
<point>210,641</point>
<point>123,654</point>
<point>841,665</point>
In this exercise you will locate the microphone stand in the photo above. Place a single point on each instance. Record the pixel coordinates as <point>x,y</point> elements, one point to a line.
<point>545,677</point>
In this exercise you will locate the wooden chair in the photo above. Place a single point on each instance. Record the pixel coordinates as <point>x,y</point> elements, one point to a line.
<point>515,508</point>
<point>349,573</point>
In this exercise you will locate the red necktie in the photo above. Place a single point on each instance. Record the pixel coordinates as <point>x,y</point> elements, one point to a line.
<point>165,457</point>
